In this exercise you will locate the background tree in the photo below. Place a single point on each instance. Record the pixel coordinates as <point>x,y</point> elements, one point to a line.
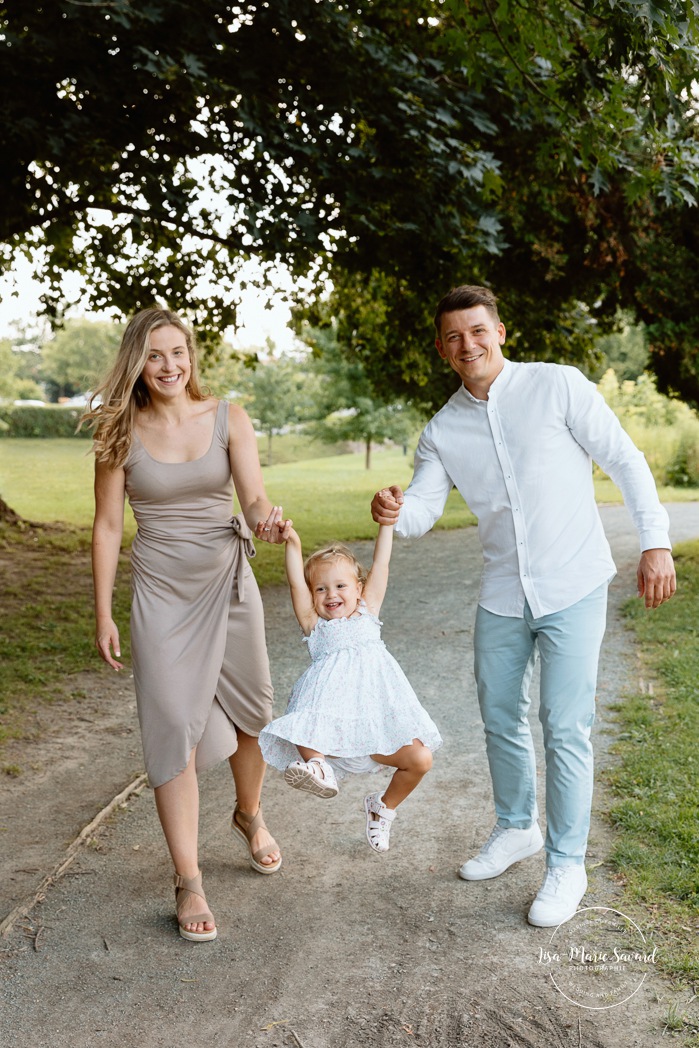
<point>20,370</point>
<point>78,357</point>
<point>548,149</point>
<point>222,371</point>
<point>17,373</point>
<point>625,350</point>
<point>348,409</point>
<point>277,393</point>
<point>8,371</point>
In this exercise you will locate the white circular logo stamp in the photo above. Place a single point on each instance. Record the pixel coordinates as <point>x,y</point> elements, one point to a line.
<point>599,958</point>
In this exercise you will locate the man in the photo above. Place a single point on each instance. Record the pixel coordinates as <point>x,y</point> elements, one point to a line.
<point>517,441</point>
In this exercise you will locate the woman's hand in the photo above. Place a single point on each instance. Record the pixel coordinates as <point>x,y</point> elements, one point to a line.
<point>107,641</point>
<point>274,529</point>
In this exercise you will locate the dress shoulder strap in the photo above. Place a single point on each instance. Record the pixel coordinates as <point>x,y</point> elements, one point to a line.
<point>221,424</point>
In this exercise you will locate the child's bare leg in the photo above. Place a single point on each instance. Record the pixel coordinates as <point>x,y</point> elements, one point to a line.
<point>307,754</point>
<point>411,763</point>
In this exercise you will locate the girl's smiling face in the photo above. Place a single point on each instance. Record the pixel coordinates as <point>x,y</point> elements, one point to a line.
<point>336,589</point>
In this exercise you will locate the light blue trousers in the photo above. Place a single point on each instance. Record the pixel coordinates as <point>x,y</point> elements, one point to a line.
<point>506,649</point>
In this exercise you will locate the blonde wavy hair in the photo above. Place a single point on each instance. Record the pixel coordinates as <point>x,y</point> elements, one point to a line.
<point>336,551</point>
<point>113,407</point>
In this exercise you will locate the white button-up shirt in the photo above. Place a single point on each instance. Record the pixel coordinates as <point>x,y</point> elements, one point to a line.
<point>522,460</point>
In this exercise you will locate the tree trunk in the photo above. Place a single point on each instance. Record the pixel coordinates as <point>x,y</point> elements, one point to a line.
<point>7,515</point>
<point>367,457</point>
<point>269,448</point>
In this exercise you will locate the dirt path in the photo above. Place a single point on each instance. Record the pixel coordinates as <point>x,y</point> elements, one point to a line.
<point>343,948</point>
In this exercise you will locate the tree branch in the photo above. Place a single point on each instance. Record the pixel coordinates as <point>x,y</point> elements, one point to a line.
<point>80,206</point>
<point>525,76</point>
<point>178,224</point>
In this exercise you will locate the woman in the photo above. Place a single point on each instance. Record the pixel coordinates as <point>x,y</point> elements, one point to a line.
<point>200,663</point>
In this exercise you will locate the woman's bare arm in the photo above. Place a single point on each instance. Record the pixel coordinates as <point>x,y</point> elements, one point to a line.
<point>247,477</point>
<point>107,533</point>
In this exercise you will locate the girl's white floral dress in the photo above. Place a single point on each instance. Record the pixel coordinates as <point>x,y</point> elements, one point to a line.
<point>352,701</point>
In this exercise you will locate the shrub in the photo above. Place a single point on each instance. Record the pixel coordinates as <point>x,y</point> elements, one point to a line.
<point>52,420</point>
<point>666,430</point>
<point>683,470</point>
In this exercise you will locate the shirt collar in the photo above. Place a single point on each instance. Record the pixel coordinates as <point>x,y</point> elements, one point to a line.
<point>498,384</point>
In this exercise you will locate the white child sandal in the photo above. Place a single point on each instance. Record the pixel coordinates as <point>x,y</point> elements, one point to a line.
<point>378,829</point>
<point>314,776</point>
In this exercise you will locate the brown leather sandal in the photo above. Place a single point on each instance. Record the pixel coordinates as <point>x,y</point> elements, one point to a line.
<point>192,885</point>
<point>246,831</point>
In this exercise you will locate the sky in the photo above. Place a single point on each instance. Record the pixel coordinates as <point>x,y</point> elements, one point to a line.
<point>256,322</point>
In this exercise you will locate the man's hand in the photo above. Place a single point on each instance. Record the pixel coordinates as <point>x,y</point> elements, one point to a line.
<point>386,504</point>
<point>656,577</point>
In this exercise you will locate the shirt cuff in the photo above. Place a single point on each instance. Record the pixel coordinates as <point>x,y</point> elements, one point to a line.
<point>413,521</point>
<point>655,540</point>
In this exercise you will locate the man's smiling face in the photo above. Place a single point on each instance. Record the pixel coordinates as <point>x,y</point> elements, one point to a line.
<point>471,342</point>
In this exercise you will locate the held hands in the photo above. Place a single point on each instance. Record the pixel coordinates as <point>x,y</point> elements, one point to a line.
<point>107,641</point>
<point>386,504</point>
<point>274,529</point>
<point>656,577</point>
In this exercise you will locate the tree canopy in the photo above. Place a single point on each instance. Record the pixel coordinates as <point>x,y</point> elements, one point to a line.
<point>346,405</point>
<point>277,394</point>
<point>547,148</point>
<point>19,371</point>
<point>78,357</point>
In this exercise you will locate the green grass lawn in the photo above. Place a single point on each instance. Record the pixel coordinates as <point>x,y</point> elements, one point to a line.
<point>656,782</point>
<point>327,498</point>
<point>51,480</point>
<point>48,480</point>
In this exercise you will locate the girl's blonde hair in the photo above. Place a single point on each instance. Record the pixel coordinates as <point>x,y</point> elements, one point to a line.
<point>328,554</point>
<point>113,406</point>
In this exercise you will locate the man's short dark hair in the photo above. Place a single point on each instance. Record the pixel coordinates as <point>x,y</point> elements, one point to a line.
<point>465,297</point>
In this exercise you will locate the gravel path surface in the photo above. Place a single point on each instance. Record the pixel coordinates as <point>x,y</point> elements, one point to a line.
<point>343,948</point>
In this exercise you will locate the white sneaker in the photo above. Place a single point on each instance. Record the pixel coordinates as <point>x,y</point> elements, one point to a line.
<point>314,776</point>
<point>503,847</point>
<point>559,895</point>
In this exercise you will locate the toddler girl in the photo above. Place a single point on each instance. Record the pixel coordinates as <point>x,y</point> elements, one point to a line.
<point>354,701</point>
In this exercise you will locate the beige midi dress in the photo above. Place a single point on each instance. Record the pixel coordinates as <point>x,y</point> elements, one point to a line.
<point>197,628</point>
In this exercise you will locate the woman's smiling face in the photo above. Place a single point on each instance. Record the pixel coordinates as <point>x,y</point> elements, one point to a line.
<point>168,367</point>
